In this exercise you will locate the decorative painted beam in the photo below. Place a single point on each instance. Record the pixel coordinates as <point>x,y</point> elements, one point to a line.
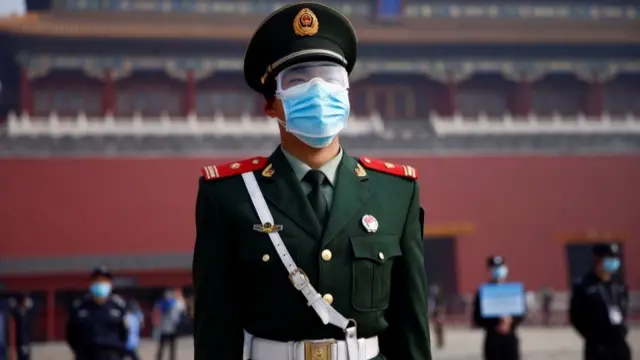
<point>39,65</point>
<point>364,9</point>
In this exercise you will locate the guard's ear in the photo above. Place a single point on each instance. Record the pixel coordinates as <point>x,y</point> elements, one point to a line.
<point>421,217</point>
<point>269,104</point>
<point>271,108</point>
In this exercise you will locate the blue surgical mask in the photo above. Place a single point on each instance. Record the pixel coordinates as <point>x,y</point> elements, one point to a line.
<point>316,111</point>
<point>499,272</point>
<point>611,264</point>
<point>100,289</point>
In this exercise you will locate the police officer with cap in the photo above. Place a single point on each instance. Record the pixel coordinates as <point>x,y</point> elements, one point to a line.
<point>96,329</point>
<point>501,341</point>
<point>599,305</point>
<point>315,254</point>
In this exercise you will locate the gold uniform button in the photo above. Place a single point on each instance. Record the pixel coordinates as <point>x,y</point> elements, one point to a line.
<point>266,257</point>
<point>326,255</point>
<point>328,298</point>
<point>381,255</point>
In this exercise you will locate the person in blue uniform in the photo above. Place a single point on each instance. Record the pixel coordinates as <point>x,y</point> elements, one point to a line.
<point>97,328</point>
<point>21,315</point>
<point>501,341</point>
<point>599,307</point>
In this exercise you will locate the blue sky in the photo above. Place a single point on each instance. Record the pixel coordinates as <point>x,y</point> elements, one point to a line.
<point>11,6</point>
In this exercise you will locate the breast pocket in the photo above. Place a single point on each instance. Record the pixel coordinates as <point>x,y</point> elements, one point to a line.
<point>372,264</point>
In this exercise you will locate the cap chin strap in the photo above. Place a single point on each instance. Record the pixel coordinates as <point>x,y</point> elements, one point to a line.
<point>326,312</point>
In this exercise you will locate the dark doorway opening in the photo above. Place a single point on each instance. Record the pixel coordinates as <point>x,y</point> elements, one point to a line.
<point>580,258</point>
<point>440,263</point>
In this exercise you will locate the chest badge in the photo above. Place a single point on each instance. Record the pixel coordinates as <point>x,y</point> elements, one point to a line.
<point>267,228</point>
<point>370,223</point>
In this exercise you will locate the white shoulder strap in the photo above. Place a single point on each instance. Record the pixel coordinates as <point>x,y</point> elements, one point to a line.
<point>298,278</point>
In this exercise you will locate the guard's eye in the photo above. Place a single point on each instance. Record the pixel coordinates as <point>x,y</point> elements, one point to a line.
<point>293,82</point>
<point>296,81</point>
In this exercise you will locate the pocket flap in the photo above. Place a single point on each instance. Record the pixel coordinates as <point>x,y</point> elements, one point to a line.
<point>377,248</point>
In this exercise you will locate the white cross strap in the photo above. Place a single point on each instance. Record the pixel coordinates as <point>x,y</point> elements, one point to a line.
<point>298,278</point>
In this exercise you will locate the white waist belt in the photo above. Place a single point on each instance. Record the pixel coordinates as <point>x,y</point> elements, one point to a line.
<point>263,349</point>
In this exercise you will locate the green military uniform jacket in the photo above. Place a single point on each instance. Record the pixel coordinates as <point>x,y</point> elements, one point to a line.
<point>376,278</point>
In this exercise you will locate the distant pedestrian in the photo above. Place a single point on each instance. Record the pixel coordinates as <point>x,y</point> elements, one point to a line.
<point>437,313</point>
<point>21,314</point>
<point>169,310</point>
<point>135,322</point>
<point>4,324</point>
<point>546,296</point>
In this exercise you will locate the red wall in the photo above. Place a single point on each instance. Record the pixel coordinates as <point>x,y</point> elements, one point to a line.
<point>61,207</point>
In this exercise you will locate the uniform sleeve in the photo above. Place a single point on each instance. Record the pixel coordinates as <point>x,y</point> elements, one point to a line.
<point>625,301</point>
<point>407,337</point>
<point>517,321</point>
<point>625,308</point>
<point>124,328</point>
<point>577,310</point>
<point>71,333</point>
<point>476,316</point>
<point>217,326</point>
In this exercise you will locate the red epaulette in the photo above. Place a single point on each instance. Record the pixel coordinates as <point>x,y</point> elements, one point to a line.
<point>404,171</point>
<point>212,172</point>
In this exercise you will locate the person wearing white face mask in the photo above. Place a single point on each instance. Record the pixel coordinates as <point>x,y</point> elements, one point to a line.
<point>501,341</point>
<point>599,307</point>
<point>347,231</point>
<point>97,327</point>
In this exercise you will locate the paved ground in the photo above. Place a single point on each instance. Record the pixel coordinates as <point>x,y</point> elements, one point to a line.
<point>464,344</point>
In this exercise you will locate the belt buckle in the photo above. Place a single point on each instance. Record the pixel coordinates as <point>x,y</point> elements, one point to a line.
<point>298,275</point>
<point>318,350</point>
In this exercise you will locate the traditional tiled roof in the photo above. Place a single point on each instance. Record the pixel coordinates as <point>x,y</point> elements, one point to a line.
<point>241,27</point>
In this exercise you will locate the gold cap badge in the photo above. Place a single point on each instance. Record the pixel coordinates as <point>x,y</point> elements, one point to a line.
<point>305,23</point>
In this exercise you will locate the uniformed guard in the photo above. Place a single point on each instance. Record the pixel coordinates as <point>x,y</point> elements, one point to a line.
<point>501,341</point>
<point>599,305</point>
<point>97,329</point>
<point>315,254</point>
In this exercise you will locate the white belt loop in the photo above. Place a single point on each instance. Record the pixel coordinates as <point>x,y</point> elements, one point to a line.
<point>298,278</point>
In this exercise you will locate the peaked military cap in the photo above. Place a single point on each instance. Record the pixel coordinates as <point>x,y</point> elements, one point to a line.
<point>296,33</point>
<point>495,261</point>
<point>101,271</point>
<point>601,250</point>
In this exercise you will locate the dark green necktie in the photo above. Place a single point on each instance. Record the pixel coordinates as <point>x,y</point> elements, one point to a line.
<point>316,179</point>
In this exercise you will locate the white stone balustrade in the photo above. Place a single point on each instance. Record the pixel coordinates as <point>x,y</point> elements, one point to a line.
<point>193,125</point>
<point>534,125</point>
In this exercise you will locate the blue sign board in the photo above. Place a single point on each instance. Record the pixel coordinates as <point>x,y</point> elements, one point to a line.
<point>506,299</point>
